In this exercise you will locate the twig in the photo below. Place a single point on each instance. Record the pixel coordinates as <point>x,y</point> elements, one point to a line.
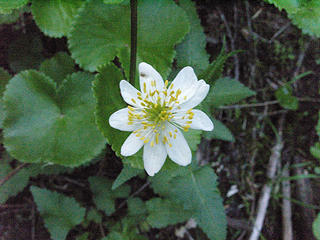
<point>281,30</point>
<point>287,233</point>
<point>12,173</point>
<point>103,234</point>
<point>121,205</point>
<point>305,99</point>
<point>301,58</point>
<point>250,105</point>
<point>304,195</point>
<point>133,52</point>
<point>266,191</point>
<point>33,228</point>
<point>239,224</point>
<point>235,56</point>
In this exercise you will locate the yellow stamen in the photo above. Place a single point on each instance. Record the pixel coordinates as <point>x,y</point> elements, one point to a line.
<point>144,87</point>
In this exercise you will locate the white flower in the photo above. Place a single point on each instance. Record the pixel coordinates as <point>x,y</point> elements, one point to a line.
<point>157,114</point>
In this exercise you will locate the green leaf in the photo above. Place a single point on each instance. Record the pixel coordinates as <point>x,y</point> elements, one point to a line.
<point>4,79</point>
<point>127,173</point>
<point>125,230</point>
<point>16,183</point>
<point>108,102</point>
<point>193,138</point>
<point>136,207</point>
<point>192,50</point>
<point>103,196</point>
<point>60,213</point>
<point>191,189</point>
<point>303,13</point>
<point>112,1</point>
<point>285,98</point>
<point>214,70</point>
<point>103,31</point>
<point>31,57</point>
<point>315,150</point>
<point>163,212</point>
<point>289,5</point>
<point>220,131</point>
<point>13,16</point>
<point>55,17</point>
<point>20,180</point>
<point>94,216</point>
<point>46,124</point>
<point>6,6</point>
<point>58,67</point>
<point>318,125</point>
<point>227,91</point>
<point>316,227</point>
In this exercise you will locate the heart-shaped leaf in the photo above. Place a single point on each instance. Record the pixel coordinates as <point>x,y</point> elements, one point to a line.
<point>58,67</point>
<point>46,124</point>
<point>102,31</point>
<point>7,6</point>
<point>55,17</point>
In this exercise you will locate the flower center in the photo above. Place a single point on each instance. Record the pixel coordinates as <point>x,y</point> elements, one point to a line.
<point>158,107</point>
<point>158,113</point>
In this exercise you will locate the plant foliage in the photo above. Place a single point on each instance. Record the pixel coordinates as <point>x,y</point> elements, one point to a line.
<point>44,123</point>
<point>60,213</point>
<point>303,13</point>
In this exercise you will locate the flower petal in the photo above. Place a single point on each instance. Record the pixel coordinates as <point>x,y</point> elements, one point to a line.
<point>200,93</point>
<point>119,120</point>
<point>131,145</point>
<point>154,157</point>
<point>184,79</point>
<point>129,93</point>
<point>201,121</point>
<point>147,75</point>
<point>179,152</point>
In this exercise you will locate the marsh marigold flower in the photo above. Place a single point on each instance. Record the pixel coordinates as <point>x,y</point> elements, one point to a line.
<point>158,114</point>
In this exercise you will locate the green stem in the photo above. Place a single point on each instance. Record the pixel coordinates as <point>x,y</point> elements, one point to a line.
<point>133,55</point>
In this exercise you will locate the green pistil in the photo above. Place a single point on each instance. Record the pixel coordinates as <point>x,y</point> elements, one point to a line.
<point>157,113</point>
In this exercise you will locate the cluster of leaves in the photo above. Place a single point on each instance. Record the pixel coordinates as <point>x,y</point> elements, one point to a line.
<point>303,13</point>
<point>50,115</point>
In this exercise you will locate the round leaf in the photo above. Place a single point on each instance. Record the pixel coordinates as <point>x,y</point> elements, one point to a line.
<point>45,124</point>
<point>6,6</point>
<point>102,31</point>
<point>58,67</point>
<point>4,78</point>
<point>316,227</point>
<point>107,93</point>
<point>55,17</point>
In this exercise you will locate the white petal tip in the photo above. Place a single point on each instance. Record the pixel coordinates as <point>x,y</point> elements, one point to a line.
<point>186,163</point>
<point>151,174</point>
<point>124,153</point>
<point>209,128</point>
<point>144,67</point>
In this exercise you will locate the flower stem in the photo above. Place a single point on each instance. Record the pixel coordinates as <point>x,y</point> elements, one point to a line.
<point>133,53</point>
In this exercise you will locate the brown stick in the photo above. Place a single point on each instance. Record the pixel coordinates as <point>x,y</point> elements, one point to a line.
<point>12,173</point>
<point>263,203</point>
<point>287,233</point>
